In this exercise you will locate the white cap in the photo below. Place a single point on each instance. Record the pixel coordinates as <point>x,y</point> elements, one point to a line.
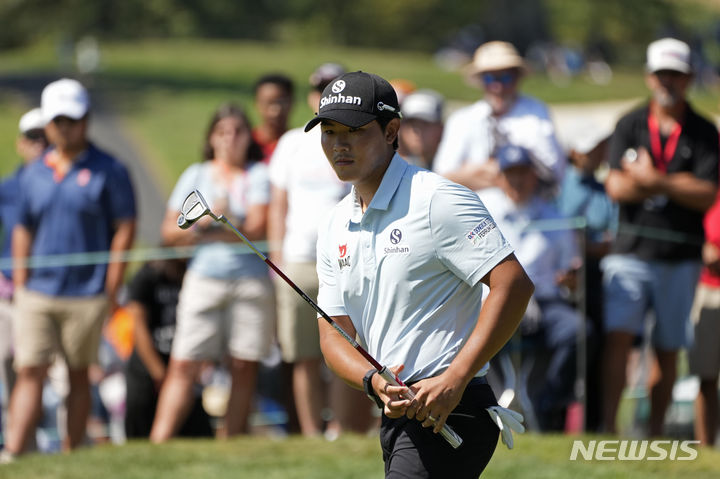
<point>668,54</point>
<point>32,120</point>
<point>65,97</point>
<point>424,105</point>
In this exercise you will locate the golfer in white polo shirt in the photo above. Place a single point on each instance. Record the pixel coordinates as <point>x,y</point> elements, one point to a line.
<point>401,263</point>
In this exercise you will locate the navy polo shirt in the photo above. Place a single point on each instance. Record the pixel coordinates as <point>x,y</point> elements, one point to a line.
<point>74,214</point>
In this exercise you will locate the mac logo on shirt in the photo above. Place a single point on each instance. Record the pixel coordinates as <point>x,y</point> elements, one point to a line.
<point>343,260</point>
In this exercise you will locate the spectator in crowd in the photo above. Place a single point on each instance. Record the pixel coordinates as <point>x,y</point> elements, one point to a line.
<point>403,87</point>
<point>663,174</point>
<point>152,302</point>
<point>582,194</point>
<point>30,144</point>
<point>226,307</point>
<point>422,127</point>
<point>704,355</point>
<point>274,95</point>
<point>401,263</point>
<point>473,133</point>
<point>304,188</point>
<point>77,199</point>
<point>550,257</point>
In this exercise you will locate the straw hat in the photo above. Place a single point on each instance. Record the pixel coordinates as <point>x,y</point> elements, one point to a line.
<point>495,56</point>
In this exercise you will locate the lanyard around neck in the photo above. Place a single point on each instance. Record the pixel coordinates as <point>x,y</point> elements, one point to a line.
<point>662,157</point>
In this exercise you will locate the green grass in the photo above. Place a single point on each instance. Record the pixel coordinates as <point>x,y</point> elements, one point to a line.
<point>349,457</point>
<point>165,90</point>
<point>12,109</point>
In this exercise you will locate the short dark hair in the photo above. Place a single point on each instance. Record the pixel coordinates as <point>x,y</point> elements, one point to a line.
<point>279,79</point>
<point>383,121</point>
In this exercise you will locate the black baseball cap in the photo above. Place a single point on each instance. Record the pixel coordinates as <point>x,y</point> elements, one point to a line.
<point>355,99</point>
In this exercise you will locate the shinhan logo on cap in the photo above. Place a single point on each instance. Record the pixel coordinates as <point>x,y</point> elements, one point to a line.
<point>338,86</point>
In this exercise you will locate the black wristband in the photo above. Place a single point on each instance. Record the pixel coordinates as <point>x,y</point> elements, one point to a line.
<point>369,391</point>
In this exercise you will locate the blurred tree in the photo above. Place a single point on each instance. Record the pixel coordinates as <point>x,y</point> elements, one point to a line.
<point>423,25</point>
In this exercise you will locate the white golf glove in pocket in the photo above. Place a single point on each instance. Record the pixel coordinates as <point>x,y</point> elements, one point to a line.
<point>507,421</point>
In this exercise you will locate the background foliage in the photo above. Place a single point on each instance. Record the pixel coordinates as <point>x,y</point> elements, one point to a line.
<point>618,26</point>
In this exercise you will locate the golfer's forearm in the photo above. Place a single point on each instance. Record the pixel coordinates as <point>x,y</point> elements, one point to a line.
<point>341,357</point>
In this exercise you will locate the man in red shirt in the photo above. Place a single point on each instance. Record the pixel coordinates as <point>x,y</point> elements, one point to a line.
<point>273,101</point>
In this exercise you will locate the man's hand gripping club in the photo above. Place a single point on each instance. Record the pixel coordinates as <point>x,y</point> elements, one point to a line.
<point>400,400</point>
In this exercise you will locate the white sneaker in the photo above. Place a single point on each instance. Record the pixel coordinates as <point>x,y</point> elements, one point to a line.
<point>6,457</point>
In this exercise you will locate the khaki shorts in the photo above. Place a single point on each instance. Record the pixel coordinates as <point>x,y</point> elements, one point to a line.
<point>704,356</point>
<point>6,335</point>
<point>44,325</point>
<point>297,320</point>
<point>218,317</point>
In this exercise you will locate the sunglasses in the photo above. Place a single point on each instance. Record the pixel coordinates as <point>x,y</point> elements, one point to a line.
<point>503,78</point>
<point>59,120</point>
<point>35,135</point>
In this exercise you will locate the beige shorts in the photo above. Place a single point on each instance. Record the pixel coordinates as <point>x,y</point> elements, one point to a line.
<point>6,334</point>
<point>219,317</point>
<point>297,320</point>
<point>45,325</point>
<point>704,355</point>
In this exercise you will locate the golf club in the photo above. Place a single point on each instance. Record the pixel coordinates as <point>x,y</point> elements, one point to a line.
<point>195,207</point>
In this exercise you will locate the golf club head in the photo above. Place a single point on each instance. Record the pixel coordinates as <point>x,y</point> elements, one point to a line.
<point>193,208</point>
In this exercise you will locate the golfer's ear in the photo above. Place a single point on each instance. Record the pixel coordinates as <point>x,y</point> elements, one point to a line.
<point>391,130</point>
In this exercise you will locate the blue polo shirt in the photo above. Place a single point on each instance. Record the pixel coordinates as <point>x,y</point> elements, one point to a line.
<point>74,214</point>
<point>9,196</point>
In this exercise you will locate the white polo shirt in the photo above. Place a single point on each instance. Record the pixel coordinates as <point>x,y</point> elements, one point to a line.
<point>471,135</point>
<point>407,272</point>
<point>299,166</point>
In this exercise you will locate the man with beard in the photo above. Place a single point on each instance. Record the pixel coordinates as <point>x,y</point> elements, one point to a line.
<point>664,173</point>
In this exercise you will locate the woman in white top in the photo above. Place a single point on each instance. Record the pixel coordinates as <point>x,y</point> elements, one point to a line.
<point>226,306</point>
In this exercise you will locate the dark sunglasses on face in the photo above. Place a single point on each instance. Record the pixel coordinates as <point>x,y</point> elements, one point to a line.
<point>503,78</point>
<point>35,135</point>
<point>670,73</point>
<point>58,120</point>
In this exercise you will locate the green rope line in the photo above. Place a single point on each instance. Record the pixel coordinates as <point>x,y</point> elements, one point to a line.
<point>148,254</point>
